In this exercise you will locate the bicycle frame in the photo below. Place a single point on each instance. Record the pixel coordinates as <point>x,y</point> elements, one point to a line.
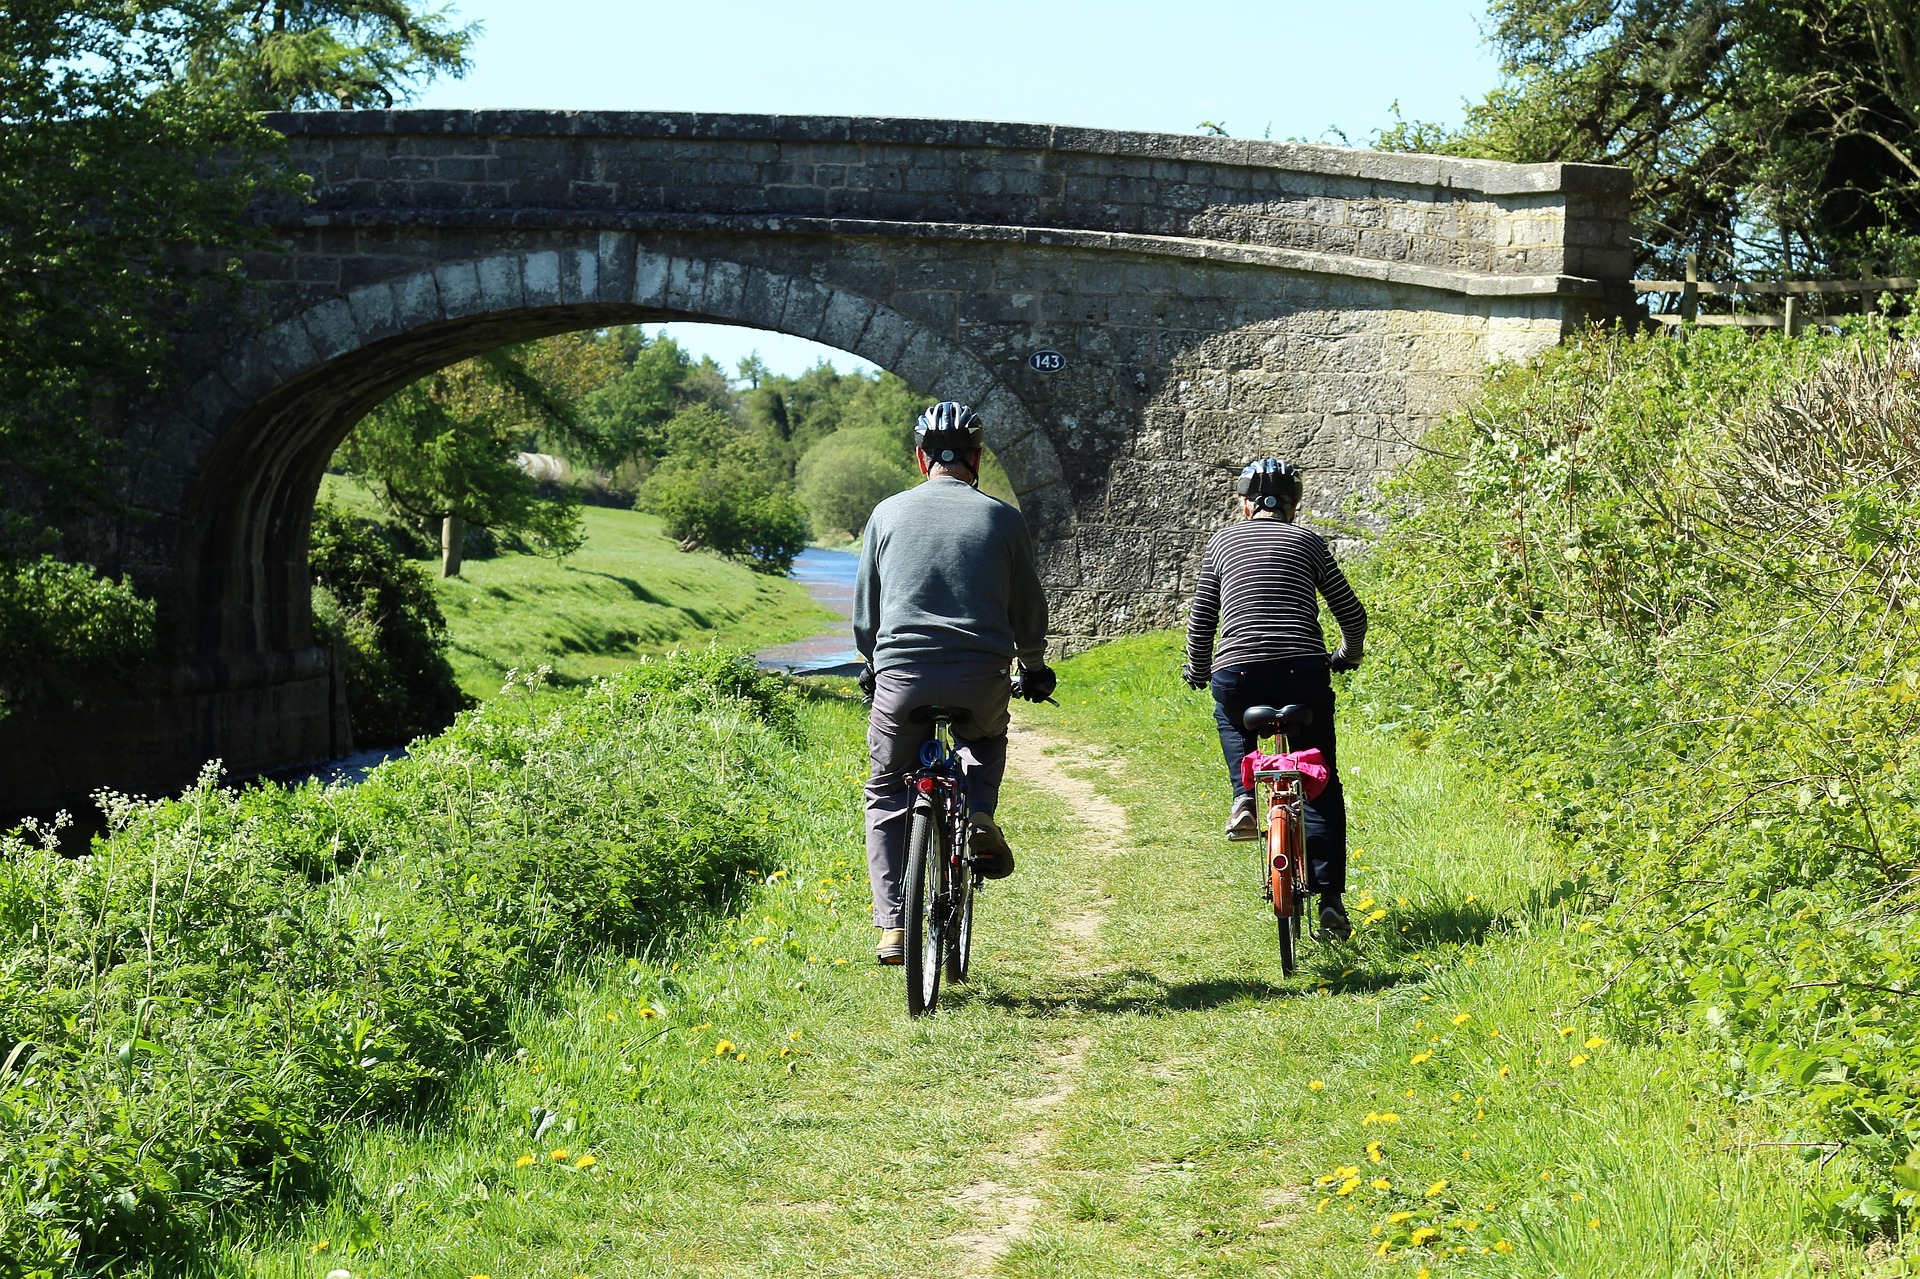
<point>939,889</point>
<point>1283,862</point>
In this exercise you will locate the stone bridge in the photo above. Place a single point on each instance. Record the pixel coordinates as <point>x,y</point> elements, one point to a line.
<point>1135,314</point>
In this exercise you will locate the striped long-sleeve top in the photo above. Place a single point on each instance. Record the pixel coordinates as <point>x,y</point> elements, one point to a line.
<point>1258,580</point>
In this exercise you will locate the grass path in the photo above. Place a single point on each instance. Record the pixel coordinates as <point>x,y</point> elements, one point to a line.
<point>1128,1086</point>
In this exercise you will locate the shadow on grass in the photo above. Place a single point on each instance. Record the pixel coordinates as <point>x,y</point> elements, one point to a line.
<point>1136,992</point>
<point>634,588</point>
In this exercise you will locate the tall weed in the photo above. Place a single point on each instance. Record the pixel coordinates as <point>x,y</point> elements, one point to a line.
<point>1667,588</point>
<point>188,1011</point>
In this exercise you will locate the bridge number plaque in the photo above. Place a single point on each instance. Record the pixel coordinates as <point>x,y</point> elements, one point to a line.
<point>1046,361</point>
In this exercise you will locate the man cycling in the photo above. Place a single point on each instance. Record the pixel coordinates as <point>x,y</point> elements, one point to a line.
<point>946,599</point>
<point>1258,581</point>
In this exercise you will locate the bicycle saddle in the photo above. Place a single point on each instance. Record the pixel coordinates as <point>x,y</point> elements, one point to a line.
<point>1265,721</point>
<point>928,714</point>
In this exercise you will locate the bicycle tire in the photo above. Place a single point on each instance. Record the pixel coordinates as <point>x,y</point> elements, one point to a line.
<point>960,937</point>
<point>1281,852</point>
<point>925,930</point>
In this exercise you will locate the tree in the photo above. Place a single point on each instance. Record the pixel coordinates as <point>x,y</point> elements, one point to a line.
<point>444,451</point>
<point>717,489</point>
<point>1778,136</point>
<point>844,476</point>
<point>280,55</point>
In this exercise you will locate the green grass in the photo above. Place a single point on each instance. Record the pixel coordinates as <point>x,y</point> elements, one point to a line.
<point>629,592</point>
<point>1138,1098</point>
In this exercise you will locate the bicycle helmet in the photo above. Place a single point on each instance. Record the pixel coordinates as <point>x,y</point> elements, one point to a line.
<point>1269,484</point>
<point>948,431</point>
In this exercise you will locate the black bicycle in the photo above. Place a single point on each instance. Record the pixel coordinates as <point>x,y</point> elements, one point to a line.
<point>941,879</point>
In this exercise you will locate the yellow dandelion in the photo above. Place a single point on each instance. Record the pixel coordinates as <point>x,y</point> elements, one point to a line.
<point>1566,1030</point>
<point>1322,1205</point>
<point>585,1161</point>
<point>1505,1071</point>
<point>1461,1019</point>
<point>559,1154</point>
<point>1546,1176</point>
<point>1593,1223</point>
<point>1375,917</point>
<point>722,1048</point>
<point>1437,1187</point>
<point>1397,1217</point>
<point>1593,1041</point>
<point>841,960</point>
<point>1374,1153</point>
<point>1504,1247</point>
<point>1421,1235</point>
<point>1577,1060</point>
<point>319,1247</point>
<point>1580,1198</point>
<point>1347,1170</point>
<point>1585,928</point>
<point>610,1017</point>
<point>1420,1059</point>
<point>1386,1246</point>
<point>1348,1186</point>
<point>648,1012</point>
<point>760,940</point>
<point>1381,1183</point>
<point>525,1161</point>
<point>1472,898</point>
<point>1317,1085</point>
<point>1423,1273</point>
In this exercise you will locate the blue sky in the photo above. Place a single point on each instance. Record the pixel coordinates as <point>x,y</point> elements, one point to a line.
<point>1285,69</point>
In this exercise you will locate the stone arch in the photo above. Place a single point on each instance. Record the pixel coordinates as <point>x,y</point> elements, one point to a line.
<point>268,423</point>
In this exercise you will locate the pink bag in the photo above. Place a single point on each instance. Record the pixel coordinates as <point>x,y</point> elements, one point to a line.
<point>1312,766</point>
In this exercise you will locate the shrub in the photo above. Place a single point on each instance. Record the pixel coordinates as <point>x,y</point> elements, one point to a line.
<point>62,622</point>
<point>718,490</point>
<point>381,608</point>
<point>189,1011</point>
<point>1669,590</point>
<point>843,477</point>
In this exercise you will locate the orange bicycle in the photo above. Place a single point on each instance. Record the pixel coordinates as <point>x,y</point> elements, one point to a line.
<point>1283,844</point>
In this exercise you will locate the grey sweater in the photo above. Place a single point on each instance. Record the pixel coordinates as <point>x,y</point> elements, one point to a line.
<point>946,575</point>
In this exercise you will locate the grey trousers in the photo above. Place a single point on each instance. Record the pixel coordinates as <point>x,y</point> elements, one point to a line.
<point>893,746</point>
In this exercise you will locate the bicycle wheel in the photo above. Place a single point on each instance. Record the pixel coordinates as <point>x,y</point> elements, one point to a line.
<point>926,931</point>
<point>960,941</point>
<point>1281,851</point>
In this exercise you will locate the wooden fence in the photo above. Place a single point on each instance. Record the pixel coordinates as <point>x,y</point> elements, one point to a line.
<point>1797,293</point>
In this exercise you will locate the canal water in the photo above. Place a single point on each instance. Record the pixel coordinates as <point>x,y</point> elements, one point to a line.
<point>828,577</point>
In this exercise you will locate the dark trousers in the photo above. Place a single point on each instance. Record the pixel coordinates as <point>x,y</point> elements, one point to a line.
<point>1305,680</point>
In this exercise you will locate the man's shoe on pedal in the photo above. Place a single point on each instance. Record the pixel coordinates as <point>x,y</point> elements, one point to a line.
<point>991,856</point>
<point>1334,924</point>
<point>1242,824</point>
<point>893,946</point>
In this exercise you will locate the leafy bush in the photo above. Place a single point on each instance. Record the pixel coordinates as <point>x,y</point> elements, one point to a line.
<point>382,609</point>
<point>843,477</point>
<point>190,1009</point>
<point>718,491</point>
<point>60,622</point>
<point>1669,589</point>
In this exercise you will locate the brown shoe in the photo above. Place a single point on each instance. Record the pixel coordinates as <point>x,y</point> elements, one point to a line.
<point>893,946</point>
<point>991,856</point>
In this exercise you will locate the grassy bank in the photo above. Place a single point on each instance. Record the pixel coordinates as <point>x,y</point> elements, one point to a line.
<point>194,1012</point>
<point>1128,1086</point>
<point>627,593</point>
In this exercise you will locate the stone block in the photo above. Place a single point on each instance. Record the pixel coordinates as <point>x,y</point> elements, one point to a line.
<point>725,283</point>
<point>1030,460</point>
<point>374,312</point>
<point>763,298</point>
<point>844,320</point>
<point>579,276</point>
<point>499,277</point>
<point>288,349</point>
<point>650,278</point>
<point>331,327</point>
<point>1049,511</point>
<point>885,339</point>
<point>459,285</point>
<point>416,301</point>
<point>686,284</point>
<point>805,311</point>
<point>1058,560</point>
<point>540,279</point>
